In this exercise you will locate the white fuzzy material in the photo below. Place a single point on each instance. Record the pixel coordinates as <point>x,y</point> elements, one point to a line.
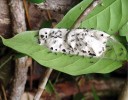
<point>81,42</point>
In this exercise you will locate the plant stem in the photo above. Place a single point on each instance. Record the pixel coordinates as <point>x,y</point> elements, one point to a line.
<point>43,84</point>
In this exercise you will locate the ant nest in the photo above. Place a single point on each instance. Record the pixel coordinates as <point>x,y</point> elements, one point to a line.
<point>83,42</point>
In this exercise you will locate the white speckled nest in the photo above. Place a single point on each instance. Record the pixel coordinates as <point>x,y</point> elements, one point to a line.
<point>83,42</point>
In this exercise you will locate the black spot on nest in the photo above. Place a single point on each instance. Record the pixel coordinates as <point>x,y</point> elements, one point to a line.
<point>103,48</point>
<point>75,48</point>
<point>51,48</point>
<point>80,44</point>
<point>77,53</point>
<point>72,40</point>
<point>84,51</point>
<point>100,52</point>
<point>92,36</point>
<point>42,36</point>
<point>92,54</point>
<point>101,35</point>
<point>64,50</point>
<point>104,42</point>
<point>53,32</point>
<point>72,35</point>
<point>54,42</point>
<point>86,44</point>
<point>60,45</point>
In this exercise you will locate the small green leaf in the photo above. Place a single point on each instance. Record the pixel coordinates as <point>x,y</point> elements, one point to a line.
<point>49,87</point>
<point>95,94</point>
<point>36,1</point>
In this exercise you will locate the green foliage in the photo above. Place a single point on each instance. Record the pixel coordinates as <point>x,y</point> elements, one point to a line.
<point>36,1</point>
<point>49,87</point>
<point>109,16</point>
<point>26,43</point>
<point>73,14</point>
<point>113,58</point>
<point>95,93</point>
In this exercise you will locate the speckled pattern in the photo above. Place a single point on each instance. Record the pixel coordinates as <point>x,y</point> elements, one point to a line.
<point>83,42</point>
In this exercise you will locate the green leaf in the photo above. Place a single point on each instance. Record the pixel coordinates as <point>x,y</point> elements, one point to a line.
<point>27,43</point>
<point>115,15</point>
<point>73,14</point>
<point>36,1</point>
<point>50,89</point>
<point>109,16</point>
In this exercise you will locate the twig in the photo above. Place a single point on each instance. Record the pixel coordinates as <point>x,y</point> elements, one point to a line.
<point>21,65</point>
<point>48,72</point>
<point>27,13</point>
<point>5,23</point>
<point>124,94</point>
<point>4,92</point>
<point>43,84</point>
<point>85,13</point>
<point>5,62</point>
<point>57,5</point>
